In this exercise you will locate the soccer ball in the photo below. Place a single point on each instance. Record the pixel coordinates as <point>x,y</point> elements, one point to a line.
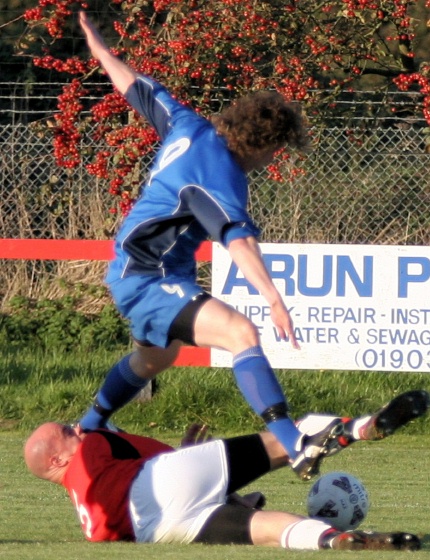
<point>340,499</point>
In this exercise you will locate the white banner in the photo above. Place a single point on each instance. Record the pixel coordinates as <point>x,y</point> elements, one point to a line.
<point>354,307</point>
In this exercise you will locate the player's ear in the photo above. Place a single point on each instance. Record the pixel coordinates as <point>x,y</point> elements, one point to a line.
<point>59,461</point>
<point>54,460</point>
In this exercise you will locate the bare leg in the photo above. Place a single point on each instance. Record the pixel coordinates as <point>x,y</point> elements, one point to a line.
<point>149,361</point>
<point>267,527</point>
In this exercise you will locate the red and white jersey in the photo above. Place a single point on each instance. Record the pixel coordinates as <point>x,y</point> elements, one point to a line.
<point>99,477</point>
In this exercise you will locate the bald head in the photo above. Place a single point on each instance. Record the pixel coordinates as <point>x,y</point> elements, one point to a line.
<point>49,450</point>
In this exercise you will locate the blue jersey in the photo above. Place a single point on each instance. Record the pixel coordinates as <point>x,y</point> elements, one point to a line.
<point>195,190</point>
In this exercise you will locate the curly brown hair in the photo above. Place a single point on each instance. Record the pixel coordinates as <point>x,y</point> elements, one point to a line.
<point>261,120</point>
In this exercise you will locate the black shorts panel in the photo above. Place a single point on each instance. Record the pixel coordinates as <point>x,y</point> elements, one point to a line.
<point>229,524</point>
<point>182,327</point>
<point>247,460</point>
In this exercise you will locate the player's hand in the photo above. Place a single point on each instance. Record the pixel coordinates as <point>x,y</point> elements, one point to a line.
<point>94,40</point>
<point>284,324</point>
<point>195,434</point>
<point>78,431</point>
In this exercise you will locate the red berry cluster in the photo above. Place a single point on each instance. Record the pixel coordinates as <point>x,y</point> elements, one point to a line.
<point>73,65</point>
<point>53,14</point>
<point>66,135</point>
<point>406,82</point>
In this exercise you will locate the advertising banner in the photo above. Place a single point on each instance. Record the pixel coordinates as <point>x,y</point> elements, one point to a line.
<point>354,307</point>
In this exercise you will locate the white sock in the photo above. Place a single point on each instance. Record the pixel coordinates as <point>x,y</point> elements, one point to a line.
<point>314,423</point>
<point>304,534</point>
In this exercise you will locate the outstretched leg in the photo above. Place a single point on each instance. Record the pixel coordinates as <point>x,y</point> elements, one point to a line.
<point>384,422</point>
<point>233,524</point>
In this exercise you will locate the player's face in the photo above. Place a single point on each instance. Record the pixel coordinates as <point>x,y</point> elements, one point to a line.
<point>70,437</point>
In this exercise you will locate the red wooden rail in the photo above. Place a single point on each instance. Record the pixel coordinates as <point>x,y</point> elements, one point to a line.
<point>93,250</point>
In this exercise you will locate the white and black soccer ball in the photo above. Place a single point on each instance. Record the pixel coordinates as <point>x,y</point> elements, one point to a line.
<point>340,499</point>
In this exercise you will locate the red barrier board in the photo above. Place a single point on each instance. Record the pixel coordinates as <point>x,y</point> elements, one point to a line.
<point>71,249</point>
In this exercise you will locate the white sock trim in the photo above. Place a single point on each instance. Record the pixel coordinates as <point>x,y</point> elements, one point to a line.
<point>358,425</point>
<point>304,534</point>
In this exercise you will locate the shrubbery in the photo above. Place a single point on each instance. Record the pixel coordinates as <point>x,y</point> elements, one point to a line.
<point>60,324</point>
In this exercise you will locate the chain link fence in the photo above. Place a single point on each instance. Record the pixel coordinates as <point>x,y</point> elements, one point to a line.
<point>372,188</point>
<point>359,185</point>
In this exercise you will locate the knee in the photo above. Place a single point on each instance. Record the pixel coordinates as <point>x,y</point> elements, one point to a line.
<point>139,365</point>
<point>246,334</point>
<point>150,361</point>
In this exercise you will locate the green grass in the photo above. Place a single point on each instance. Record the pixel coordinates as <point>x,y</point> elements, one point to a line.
<point>37,385</point>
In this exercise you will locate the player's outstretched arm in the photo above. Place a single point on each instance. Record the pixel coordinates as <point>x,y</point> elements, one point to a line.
<point>121,75</point>
<point>246,254</point>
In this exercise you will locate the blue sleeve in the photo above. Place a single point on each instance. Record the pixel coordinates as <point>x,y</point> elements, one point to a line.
<point>239,231</point>
<point>215,219</point>
<point>154,102</point>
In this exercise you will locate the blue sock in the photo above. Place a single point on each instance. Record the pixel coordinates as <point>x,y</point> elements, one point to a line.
<point>119,387</point>
<point>260,387</point>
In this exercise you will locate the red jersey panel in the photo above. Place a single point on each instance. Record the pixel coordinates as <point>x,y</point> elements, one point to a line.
<point>99,477</point>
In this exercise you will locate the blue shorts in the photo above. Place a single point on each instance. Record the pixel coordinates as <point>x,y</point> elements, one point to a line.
<point>151,304</point>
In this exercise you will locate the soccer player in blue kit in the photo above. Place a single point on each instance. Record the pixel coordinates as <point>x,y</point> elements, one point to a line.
<point>197,189</point>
